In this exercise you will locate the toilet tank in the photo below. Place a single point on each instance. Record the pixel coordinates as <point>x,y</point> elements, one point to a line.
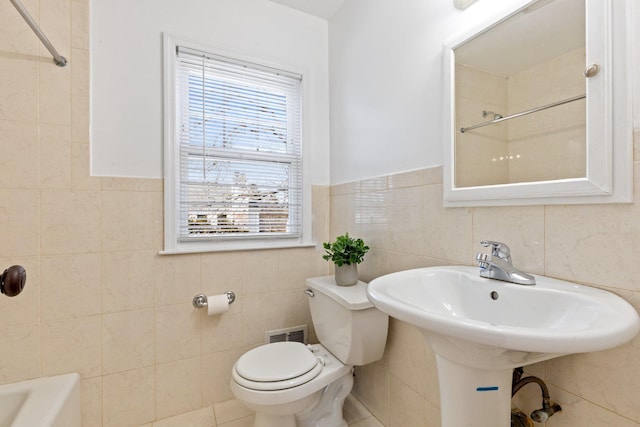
<point>346,322</point>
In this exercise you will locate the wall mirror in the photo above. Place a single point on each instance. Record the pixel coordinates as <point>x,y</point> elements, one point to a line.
<point>538,106</point>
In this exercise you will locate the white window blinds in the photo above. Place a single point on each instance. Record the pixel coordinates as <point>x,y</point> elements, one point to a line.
<point>238,149</point>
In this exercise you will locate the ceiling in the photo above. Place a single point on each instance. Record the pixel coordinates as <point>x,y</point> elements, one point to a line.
<point>321,8</point>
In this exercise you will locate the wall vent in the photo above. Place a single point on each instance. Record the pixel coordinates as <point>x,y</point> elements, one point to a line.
<point>295,333</point>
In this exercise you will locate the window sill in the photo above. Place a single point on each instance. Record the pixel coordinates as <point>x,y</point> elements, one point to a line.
<point>227,247</point>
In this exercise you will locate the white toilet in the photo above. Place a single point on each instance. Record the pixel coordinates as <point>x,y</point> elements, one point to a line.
<point>289,384</point>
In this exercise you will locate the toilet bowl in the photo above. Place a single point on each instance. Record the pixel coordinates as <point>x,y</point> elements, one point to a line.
<point>289,384</point>
<point>290,379</point>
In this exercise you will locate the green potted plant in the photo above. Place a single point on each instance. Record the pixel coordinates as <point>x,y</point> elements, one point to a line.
<point>346,253</point>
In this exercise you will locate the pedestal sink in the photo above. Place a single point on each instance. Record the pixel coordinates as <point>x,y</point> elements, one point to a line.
<point>480,329</point>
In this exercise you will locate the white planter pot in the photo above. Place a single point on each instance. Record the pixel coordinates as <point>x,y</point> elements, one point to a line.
<point>347,274</point>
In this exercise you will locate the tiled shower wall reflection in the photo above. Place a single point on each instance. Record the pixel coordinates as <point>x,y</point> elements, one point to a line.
<point>402,218</point>
<point>549,144</point>
<point>99,299</point>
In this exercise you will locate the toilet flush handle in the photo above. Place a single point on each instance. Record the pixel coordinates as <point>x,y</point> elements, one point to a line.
<point>309,292</point>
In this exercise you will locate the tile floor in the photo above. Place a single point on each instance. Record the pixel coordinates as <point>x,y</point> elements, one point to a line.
<point>233,414</point>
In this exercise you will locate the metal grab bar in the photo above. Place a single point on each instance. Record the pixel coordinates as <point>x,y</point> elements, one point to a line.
<point>60,60</point>
<point>523,113</point>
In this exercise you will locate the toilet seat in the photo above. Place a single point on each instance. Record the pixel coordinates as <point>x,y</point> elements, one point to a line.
<point>276,366</point>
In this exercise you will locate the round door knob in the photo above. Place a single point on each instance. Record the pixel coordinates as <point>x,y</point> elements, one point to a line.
<point>591,70</point>
<point>12,280</point>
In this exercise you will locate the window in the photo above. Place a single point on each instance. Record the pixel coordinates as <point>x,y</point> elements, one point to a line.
<point>233,153</point>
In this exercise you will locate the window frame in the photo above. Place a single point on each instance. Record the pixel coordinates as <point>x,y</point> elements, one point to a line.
<point>172,243</point>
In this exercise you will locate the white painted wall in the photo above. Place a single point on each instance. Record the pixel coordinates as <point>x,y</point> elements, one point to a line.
<point>126,71</point>
<point>387,83</point>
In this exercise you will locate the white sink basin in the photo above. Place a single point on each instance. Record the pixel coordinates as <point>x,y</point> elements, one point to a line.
<point>481,328</point>
<point>43,402</point>
<point>553,316</point>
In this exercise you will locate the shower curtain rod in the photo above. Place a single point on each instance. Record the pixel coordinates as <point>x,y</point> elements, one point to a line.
<point>60,60</point>
<point>523,113</point>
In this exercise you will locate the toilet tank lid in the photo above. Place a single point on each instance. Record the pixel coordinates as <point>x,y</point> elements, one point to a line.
<point>352,297</point>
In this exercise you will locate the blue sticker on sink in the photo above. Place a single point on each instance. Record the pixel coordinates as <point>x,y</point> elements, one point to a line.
<point>492,388</point>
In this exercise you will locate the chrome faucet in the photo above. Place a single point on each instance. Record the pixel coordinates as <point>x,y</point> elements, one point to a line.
<point>498,265</point>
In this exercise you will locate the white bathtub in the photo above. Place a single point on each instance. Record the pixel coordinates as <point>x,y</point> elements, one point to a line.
<point>43,402</point>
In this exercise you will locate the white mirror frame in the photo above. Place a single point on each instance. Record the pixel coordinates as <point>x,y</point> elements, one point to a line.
<point>609,119</point>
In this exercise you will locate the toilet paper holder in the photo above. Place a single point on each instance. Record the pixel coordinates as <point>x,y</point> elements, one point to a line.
<point>200,300</point>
